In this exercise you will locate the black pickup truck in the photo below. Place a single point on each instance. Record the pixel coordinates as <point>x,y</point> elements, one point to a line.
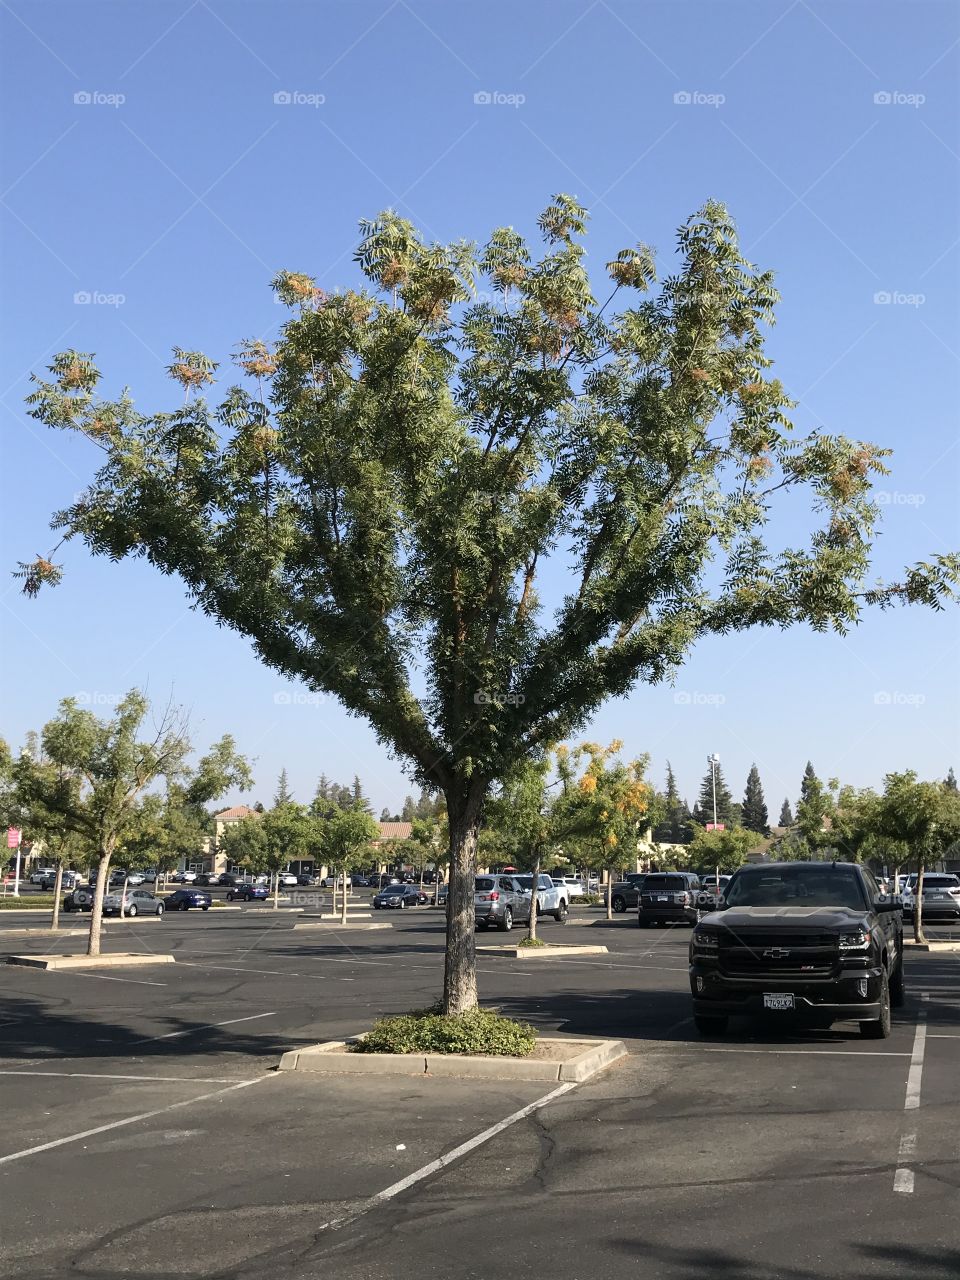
<point>816,939</point>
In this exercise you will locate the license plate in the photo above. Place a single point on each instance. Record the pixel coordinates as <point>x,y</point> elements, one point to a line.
<point>778,1001</point>
<point>661,899</point>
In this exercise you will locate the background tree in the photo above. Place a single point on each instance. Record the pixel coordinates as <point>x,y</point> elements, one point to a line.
<point>283,795</point>
<point>376,512</point>
<point>754,809</point>
<point>675,827</point>
<point>723,850</point>
<point>923,816</point>
<point>950,781</point>
<point>245,845</point>
<point>786,815</point>
<point>703,809</point>
<point>814,805</point>
<point>346,843</point>
<point>99,770</point>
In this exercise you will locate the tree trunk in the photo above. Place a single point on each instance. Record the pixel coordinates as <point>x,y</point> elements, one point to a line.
<point>333,900</point>
<point>57,886</point>
<point>343,900</point>
<point>609,893</point>
<point>460,960</point>
<point>123,895</point>
<point>96,915</point>
<point>276,890</point>
<point>534,905</point>
<point>918,934</point>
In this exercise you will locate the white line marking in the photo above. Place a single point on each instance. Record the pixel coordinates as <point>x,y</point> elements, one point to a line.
<point>442,1161</point>
<point>172,1035</point>
<point>903,1181</point>
<point>108,1075</point>
<point>104,977</point>
<point>804,1053</point>
<point>119,1124</point>
<point>912,1100</point>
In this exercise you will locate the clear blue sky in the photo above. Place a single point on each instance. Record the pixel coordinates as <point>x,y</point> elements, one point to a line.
<point>186,197</point>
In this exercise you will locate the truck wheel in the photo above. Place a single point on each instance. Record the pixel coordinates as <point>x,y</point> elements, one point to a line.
<point>711,1026</point>
<point>879,1028</point>
<point>619,904</point>
<point>898,992</point>
<point>560,915</point>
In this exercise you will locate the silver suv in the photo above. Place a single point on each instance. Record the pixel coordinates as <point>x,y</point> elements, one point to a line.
<point>499,900</point>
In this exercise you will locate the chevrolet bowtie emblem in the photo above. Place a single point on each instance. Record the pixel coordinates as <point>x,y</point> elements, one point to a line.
<point>776,953</point>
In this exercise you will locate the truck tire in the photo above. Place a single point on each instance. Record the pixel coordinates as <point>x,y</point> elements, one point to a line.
<point>560,915</point>
<point>879,1028</point>
<point>712,1026</point>
<point>897,987</point>
<point>619,904</point>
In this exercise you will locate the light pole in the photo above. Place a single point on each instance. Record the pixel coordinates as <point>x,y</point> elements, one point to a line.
<point>713,760</point>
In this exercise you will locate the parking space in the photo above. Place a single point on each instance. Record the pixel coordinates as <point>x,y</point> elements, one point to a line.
<point>688,1157</point>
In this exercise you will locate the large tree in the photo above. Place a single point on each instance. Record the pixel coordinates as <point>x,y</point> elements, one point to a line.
<point>754,808</point>
<point>377,509</point>
<point>675,826</point>
<point>703,810</point>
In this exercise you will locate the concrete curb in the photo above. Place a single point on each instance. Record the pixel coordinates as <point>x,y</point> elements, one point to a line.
<point>931,946</point>
<point>351,915</point>
<point>333,926</point>
<point>118,960</point>
<point>552,951</point>
<point>587,1057</point>
<point>273,911</point>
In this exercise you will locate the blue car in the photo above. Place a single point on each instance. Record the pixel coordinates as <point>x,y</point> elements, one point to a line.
<point>248,893</point>
<point>184,899</point>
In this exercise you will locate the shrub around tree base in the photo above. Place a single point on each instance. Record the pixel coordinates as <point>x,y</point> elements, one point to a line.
<point>478,1031</point>
<point>531,942</point>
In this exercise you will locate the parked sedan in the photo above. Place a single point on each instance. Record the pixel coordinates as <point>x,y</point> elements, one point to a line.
<point>37,877</point>
<point>136,902</point>
<point>288,880</point>
<point>184,899</point>
<point>399,895</point>
<point>70,880</point>
<point>248,893</point>
<point>626,892</point>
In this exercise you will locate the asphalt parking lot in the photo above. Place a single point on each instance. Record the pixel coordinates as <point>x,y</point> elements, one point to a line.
<point>164,1143</point>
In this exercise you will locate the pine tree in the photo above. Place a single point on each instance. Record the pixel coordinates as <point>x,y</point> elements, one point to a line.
<point>675,827</point>
<point>703,809</point>
<point>284,795</point>
<point>322,792</point>
<point>754,806</point>
<point>358,799</point>
<point>809,780</point>
<point>950,781</point>
<point>409,810</point>
<point>786,815</point>
<point>814,805</point>
<point>385,815</point>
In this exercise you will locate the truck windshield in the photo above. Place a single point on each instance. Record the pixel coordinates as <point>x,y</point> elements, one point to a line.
<point>800,886</point>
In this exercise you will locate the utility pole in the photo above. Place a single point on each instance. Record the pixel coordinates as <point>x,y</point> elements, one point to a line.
<point>713,760</point>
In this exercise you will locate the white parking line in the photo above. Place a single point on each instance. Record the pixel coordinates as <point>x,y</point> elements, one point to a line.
<point>442,1161</point>
<point>172,1035</point>
<point>904,1177</point>
<point>110,1075</point>
<point>119,1124</point>
<point>104,977</point>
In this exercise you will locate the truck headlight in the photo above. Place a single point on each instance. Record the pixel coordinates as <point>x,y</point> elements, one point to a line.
<point>858,941</point>
<point>705,941</point>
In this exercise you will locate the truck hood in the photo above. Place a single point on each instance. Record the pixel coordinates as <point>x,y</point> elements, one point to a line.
<point>839,918</point>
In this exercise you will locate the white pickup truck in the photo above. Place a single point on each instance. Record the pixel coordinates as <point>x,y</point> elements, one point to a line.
<point>552,899</point>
